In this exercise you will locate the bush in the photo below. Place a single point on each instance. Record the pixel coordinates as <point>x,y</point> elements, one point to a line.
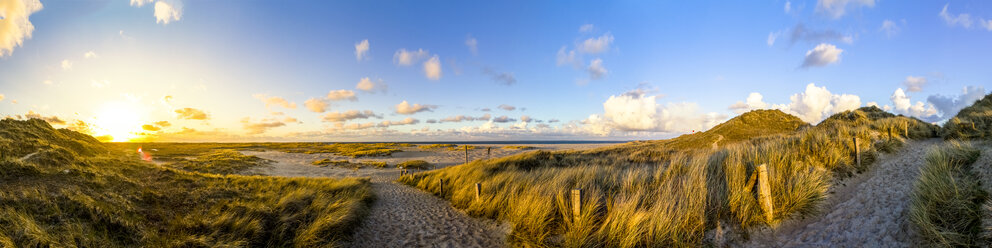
<point>377,164</point>
<point>414,164</point>
<point>327,161</point>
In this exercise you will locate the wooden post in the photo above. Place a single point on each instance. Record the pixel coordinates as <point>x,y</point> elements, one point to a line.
<point>466,154</point>
<point>577,203</point>
<point>478,191</point>
<point>857,151</point>
<point>905,130</point>
<point>440,183</point>
<point>890,133</point>
<point>765,193</point>
<point>489,152</point>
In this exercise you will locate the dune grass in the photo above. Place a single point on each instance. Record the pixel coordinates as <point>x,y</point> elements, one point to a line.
<point>221,162</point>
<point>436,146</point>
<point>327,161</point>
<point>65,189</point>
<point>518,147</point>
<point>972,122</point>
<point>645,194</point>
<point>414,164</point>
<point>947,197</point>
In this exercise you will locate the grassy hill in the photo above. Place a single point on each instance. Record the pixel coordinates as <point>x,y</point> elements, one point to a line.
<point>972,122</point>
<point>670,192</point>
<point>65,189</point>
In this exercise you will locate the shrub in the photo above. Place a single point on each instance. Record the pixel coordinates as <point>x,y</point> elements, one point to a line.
<point>436,146</point>
<point>327,161</point>
<point>414,164</point>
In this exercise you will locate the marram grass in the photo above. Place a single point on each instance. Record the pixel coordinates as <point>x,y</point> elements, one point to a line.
<point>947,198</point>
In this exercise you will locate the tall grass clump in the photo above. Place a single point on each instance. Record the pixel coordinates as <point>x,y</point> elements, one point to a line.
<point>65,189</point>
<point>972,122</point>
<point>947,197</point>
<point>666,193</point>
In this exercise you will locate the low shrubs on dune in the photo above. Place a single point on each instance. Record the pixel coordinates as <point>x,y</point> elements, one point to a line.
<point>947,198</point>
<point>436,146</point>
<point>644,194</point>
<point>221,162</point>
<point>327,161</point>
<point>377,164</point>
<point>414,164</point>
<point>518,147</point>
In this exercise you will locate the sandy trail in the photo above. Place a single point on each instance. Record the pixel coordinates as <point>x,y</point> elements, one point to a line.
<point>868,210</point>
<point>403,216</point>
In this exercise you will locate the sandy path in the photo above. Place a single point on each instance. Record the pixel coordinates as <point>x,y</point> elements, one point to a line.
<point>868,210</point>
<point>403,216</point>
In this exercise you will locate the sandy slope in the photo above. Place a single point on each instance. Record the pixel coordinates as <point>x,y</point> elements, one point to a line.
<point>868,210</point>
<point>403,216</point>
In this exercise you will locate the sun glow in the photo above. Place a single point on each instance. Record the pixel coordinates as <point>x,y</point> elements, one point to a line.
<point>120,120</point>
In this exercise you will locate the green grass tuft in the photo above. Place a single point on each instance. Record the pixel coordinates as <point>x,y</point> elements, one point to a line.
<point>414,164</point>
<point>947,198</point>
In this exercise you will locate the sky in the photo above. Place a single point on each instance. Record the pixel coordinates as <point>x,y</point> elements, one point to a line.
<point>218,70</point>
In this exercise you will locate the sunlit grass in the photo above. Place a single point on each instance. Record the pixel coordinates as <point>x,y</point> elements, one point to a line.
<point>947,197</point>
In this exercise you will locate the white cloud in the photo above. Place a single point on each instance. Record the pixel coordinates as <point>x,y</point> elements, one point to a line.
<point>788,7</point>
<point>963,20</point>
<point>15,26</point>
<point>407,58</point>
<point>316,105</point>
<point>406,121</point>
<point>586,28</point>
<point>362,50</point>
<point>914,84</point>
<point>1,97</point>
<point>139,3</point>
<point>260,127</point>
<point>473,45</point>
<point>168,10</point>
<point>903,105</point>
<point>337,95</point>
<point>948,106</point>
<point>596,69</point>
<point>506,107</point>
<point>570,57</point>
<point>432,68</point>
<point>753,102</point>
<point>596,45</point>
<point>407,109</point>
<point>985,23</point>
<point>837,8</point>
<point>801,33</point>
<point>90,55</point>
<point>633,111</point>
<point>772,37</point>
<point>460,118</point>
<point>349,115</point>
<point>889,27</point>
<point>366,84</point>
<point>278,101</point>
<point>66,65</point>
<point>822,55</point>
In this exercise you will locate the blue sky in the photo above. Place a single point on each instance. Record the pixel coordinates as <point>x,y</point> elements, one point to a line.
<point>603,70</point>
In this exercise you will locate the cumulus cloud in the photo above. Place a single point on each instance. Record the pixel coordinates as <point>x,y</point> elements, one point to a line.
<point>337,95</point>
<point>362,50</point>
<point>596,69</point>
<point>460,118</point>
<point>914,84</point>
<point>274,100</point>
<point>54,120</point>
<point>822,55</point>
<point>431,121</point>
<point>259,127</point>
<point>504,78</point>
<point>163,123</point>
<point>191,114</point>
<point>407,58</point>
<point>406,121</point>
<point>149,127</point>
<point>408,109</point>
<point>903,105</point>
<point>771,38</point>
<point>66,65</point>
<point>635,112</point>
<point>812,105</point>
<point>889,27</point>
<point>506,107</point>
<point>316,105</point>
<point>432,68</point>
<point>837,8</point>
<point>596,45</point>
<point>963,20</point>
<point>472,44</point>
<point>948,106</point>
<point>366,84</point>
<point>788,7</point>
<point>349,115</point>
<point>485,110</point>
<point>90,55</point>
<point>168,11</point>
<point>568,58</point>
<point>753,102</point>
<point>15,25</point>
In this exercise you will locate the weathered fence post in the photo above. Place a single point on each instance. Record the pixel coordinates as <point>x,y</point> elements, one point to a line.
<point>857,151</point>
<point>466,154</point>
<point>890,133</point>
<point>478,191</point>
<point>440,184</point>
<point>577,203</point>
<point>905,130</point>
<point>489,152</point>
<point>765,193</point>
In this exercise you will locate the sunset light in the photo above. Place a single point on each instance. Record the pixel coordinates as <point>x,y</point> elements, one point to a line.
<point>120,120</point>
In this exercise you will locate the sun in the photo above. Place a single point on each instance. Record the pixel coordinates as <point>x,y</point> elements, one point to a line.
<point>119,120</point>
